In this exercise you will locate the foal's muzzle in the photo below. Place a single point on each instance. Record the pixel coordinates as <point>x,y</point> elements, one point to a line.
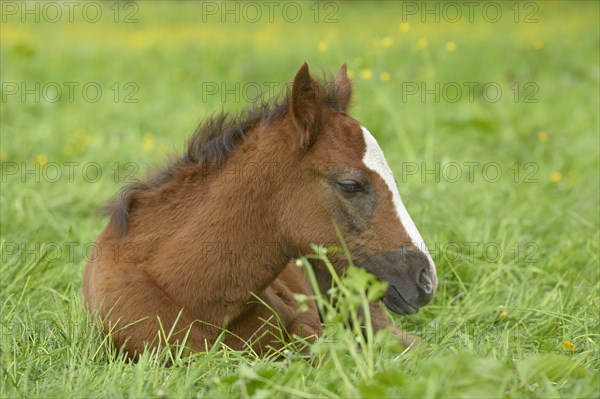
<point>411,277</point>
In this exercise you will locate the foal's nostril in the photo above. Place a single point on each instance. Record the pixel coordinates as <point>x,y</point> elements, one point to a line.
<point>424,281</point>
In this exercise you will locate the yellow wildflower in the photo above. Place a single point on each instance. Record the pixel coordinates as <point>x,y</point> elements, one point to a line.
<point>422,43</point>
<point>504,313</point>
<point>538,44</point>
<point>148,141</point>
<point>387,41</point>
<point>86,139</point>
<point>384,76</point>
<point>41,159</point>
<point>350,73</point>
<point>322,47</point>
<point>543,136</point>
<point>556,176</point>
<point>366,74</point>
<point>404,27</point>
<point>568,346</point>
<point>450,47</point>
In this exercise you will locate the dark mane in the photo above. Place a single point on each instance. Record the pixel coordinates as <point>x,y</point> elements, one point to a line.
<point>211,143</point>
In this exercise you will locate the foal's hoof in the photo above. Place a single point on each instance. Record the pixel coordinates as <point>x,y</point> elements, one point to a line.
<point>410,341</point>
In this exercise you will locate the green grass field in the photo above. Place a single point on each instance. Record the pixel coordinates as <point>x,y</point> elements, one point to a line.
<point>490,122</point>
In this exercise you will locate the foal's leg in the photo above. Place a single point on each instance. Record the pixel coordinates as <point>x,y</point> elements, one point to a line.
<point>260,328</point>
<point>131,309</point>
<point>380,320</point>
<point>293,280</point>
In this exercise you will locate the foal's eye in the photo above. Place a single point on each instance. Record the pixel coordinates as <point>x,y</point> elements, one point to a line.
<point>350,186</point>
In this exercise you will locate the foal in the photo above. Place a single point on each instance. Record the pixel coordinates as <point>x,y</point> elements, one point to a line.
<point>186,250</point>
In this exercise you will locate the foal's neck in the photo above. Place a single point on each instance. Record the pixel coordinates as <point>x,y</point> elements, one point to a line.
<point>234,236</point>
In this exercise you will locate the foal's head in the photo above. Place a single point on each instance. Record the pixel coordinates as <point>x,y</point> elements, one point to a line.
<point>342,178</point>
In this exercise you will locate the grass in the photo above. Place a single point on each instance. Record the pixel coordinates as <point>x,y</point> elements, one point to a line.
<point>516,312</point>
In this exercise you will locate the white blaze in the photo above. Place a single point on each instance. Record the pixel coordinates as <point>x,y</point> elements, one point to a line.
<point>375,160</point>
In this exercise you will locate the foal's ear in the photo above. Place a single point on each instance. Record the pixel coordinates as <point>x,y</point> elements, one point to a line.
<point>304,107</point>
<point>343,88</point>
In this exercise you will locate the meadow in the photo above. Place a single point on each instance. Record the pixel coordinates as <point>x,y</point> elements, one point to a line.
<point>488,117</point>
